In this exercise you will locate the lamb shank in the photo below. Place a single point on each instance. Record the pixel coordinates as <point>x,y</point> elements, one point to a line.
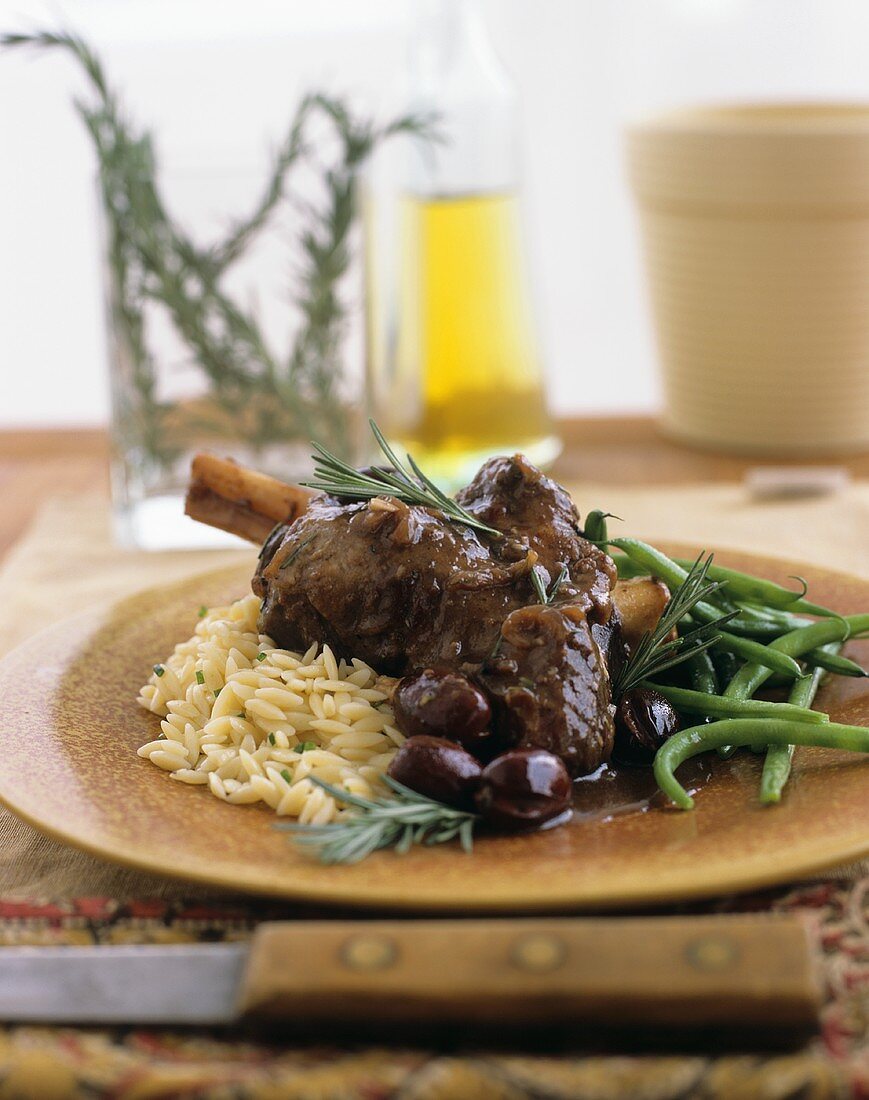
<point>403,587</point>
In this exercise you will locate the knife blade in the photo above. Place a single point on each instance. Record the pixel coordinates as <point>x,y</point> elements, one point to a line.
<point>687,971</point>
<point>171,983</point>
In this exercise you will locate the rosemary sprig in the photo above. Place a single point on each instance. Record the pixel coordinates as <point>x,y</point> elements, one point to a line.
<point>336,477</point>
<point>543,596</point>
<point>155,263</point>
<point>399,822</point>
<point>655,653</point>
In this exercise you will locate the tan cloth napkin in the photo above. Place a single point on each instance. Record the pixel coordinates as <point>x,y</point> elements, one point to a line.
<point>66,562</point>
<point>827,530</point>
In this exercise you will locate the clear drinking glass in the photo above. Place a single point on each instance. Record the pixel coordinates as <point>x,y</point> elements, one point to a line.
<point>454,364</point>
<point>216,344</point>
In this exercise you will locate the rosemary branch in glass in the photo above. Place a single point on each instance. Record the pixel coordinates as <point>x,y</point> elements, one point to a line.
<point>334,476</point>
<point>657,650</point>
<point>260,396</point>
<point>397,822</point>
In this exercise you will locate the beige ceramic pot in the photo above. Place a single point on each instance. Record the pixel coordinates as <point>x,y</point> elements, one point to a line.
<point>755,223</point>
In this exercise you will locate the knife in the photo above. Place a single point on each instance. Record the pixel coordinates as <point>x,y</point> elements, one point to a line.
<point>686,971</point>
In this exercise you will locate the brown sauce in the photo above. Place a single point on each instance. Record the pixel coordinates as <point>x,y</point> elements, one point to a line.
<point>613,790</point>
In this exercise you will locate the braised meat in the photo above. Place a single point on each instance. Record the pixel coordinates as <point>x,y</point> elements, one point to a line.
<point>537,514</point>
<point>401,587</point>
<point>550,687</point>
<point>394,584</point>
<point>404,588</point>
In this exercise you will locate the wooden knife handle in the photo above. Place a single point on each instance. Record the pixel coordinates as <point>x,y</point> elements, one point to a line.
<point>734,970</point>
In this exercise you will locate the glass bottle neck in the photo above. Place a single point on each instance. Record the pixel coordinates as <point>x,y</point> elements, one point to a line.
<point>457,77</point>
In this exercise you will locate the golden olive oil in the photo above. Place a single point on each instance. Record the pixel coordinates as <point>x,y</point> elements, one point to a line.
<point>465,374</point>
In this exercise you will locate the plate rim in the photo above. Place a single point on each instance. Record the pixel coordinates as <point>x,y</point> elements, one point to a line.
<point>316,895</point>
<point>334,894</point>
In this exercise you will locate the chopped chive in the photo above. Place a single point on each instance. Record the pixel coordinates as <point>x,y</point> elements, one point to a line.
<point>200,676</point>
<point>285,775</point>
<point>159,670</point>
<point>260,656</point>
<point>272,739</point>
<point>305,746</point>
<point>203,611</point>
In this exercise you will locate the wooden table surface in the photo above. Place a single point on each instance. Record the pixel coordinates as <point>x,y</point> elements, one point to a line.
<point>607,450</point>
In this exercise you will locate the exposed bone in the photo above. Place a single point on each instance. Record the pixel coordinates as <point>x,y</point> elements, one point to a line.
<point>246,503</point>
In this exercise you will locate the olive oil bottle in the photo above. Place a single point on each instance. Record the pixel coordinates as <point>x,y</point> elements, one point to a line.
<point>453,357</point>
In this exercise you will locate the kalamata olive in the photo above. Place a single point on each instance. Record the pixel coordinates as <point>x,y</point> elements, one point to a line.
<point>524,788</point>
<point>437,768</point>
<point>443,703</point>
<point>644,721</point>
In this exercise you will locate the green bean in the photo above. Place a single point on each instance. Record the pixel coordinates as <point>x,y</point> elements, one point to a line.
<point>737,585</point>
<point>746,731</point>
<point>752,622</point>
<point>628,568</point>
<point>757,622</point>
<point>795,644</point>
<point>675,575</point>
<point>778,681</point>
<point>782,621</point>
<point>727,666</point>
<point>701,702</point>
<point>596,526</point>
<point>776,772</point>
<point>772,659</point>
<point>809,608</point>
<point>661,566</point>
<point>762,630</point>
<point>777,765</point>
<point>835,663</point>
<point>701,672</point>
<point>806,638</point>
<point>744,587</point>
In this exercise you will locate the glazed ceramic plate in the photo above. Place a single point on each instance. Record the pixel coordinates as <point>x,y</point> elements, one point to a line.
<point>71,728</point>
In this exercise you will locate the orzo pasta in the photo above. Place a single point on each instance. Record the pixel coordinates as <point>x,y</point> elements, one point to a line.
<point>252,722</point>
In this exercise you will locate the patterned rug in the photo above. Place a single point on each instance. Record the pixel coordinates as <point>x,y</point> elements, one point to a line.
<point>126,1063</point>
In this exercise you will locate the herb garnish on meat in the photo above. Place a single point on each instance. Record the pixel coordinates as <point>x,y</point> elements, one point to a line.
<point>339,479</point>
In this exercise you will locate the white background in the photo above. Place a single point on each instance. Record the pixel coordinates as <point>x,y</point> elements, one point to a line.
<point>218,81</point>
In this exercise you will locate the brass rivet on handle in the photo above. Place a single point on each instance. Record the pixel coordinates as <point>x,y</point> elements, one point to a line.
<point>369,952</point>
<point>712,954</point>
<point>538,953</point>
